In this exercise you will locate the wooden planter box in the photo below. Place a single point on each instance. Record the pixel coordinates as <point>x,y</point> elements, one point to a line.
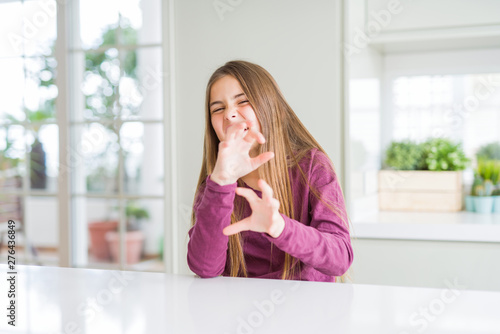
<point>420,191</point>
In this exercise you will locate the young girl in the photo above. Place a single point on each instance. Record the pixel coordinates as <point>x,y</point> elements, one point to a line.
<point>268,202</point>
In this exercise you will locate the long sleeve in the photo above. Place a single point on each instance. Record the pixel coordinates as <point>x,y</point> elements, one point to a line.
<point>324,243</point>
<point>207,246</point>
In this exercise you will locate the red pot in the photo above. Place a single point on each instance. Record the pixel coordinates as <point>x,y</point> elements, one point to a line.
<point>133,245</point>
<point>98,244</point>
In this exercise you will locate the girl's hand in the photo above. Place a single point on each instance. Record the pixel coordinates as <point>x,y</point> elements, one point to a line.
<point>233,159</point>
<point>265,216</point>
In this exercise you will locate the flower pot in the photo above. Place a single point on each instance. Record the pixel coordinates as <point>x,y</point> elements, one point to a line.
<point>496,204</point>
<point>469,203</point>
<point>133,245</point>
<point>483,204</point>
<point>98,244</point>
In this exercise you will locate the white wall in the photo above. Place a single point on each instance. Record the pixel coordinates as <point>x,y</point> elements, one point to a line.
<point>296,41</point>
<point>474,265</point>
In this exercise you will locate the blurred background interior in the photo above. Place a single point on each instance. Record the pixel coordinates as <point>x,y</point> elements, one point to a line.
<point>101,125</point>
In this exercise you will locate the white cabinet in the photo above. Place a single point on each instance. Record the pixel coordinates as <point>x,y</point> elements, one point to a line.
<point>433,14</point>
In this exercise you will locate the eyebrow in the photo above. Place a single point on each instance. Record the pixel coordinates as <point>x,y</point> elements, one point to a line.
<point>234,98</point>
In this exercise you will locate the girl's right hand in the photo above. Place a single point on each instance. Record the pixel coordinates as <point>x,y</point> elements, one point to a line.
<point>233,159</point>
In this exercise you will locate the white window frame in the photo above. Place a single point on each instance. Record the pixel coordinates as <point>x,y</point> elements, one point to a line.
<point>67,14</point>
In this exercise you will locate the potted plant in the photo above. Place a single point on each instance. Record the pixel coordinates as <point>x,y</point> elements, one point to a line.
<point>97,231</point>
<point>134,237</point>
<point>422,177</point>
<point>485,190</point>
<point>496,199</point>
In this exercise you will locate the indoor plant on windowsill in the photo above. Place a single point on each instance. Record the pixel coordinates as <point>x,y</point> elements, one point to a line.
<point>97,233</point>
<point>134,237</point>
<point>422,177</point>
<point>485,193</point>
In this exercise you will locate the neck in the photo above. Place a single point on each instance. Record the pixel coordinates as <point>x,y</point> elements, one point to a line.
<point>251,179</point>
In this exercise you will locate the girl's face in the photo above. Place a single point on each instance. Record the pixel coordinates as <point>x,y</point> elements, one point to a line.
<point>229,105</point>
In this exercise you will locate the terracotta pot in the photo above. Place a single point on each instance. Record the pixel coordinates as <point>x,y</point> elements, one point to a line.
<point>133,245</point>
<point>99,246</point>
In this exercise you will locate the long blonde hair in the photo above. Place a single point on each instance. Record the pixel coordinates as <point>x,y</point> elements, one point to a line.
<point>285,135</point>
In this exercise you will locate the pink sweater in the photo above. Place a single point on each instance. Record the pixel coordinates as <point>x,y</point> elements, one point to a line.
<point>319,239</point>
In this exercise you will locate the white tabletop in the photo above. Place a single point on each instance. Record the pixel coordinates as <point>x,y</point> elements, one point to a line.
<point>65,300</point>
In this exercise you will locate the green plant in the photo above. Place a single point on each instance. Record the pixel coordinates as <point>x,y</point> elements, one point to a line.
<point>489,151</point>
<point>486,178</point>
<point>403,155</point>
<point>441,154</point>
<point>135,216</point>
<point>478,181</point>
<point>484,189</point>
<point>6,160</point>
<point>489,170</point>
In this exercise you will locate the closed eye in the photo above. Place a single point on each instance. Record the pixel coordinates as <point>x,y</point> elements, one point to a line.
<point>242,102</point>
<point>217,110</point>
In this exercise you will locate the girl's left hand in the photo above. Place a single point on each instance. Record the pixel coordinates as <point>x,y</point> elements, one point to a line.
<point>265,216</point>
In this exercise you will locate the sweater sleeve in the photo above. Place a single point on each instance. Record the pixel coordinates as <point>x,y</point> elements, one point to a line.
<point>207,246</point>
<point>325,244</point>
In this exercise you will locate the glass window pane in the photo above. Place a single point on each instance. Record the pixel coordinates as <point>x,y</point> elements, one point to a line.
<point>98,23</point>
<point>99,86</point>
<point>140,21</point>
<point>44,157</point>
<point>40,89</point>
<point>141,87</point>
<point>94,161</point>
<point>100,216</point>
<point>43,234</point>
<point>144,242</point>
<point>142,147</point>
<point>11,38</point>
<point>12,157</point>
<point>40,27</point>
<point>11,103</point>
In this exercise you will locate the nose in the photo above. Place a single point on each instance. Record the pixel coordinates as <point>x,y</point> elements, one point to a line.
<point>231,113</point>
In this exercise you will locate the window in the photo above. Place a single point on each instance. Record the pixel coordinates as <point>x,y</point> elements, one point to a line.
<point>28,126</point>
<point>464,107</point>
<point>114,155</point>
<point>117,137</point>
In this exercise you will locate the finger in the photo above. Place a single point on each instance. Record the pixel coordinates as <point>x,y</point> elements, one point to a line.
<point>267,191</point>
<point>254,135</point>
<point>242,225</point>
<point>233,129</point>
<point>261,159</point>
<point>249,195</point>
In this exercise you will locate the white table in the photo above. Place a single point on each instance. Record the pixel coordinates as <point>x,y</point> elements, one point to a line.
<point>65,300</point>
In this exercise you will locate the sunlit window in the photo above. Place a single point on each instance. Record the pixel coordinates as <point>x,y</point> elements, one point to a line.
<point>464,108</point>
<point>115,153</point>
<point>117,133</point>
<point>29,143</point>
